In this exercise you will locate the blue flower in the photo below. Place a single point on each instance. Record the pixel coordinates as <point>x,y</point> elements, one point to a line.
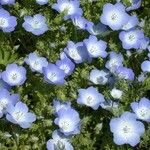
<point>79,22</point>
<point>125,73</point>
<point>3,85</point>
<point>95,29</point>
<point>60,105</point>
<point>135,5</point>
<point>132,22</point>
<point>58,141</point>
<point>131,39</point>
<point>142,77</point>
<point>19,114</point>
<point>109,105</point>
<point>66,65</point>
<point>36,24</point>
<point>142,109</point>
<point>115,60</point>
<point>72,8</point>
<point>7,22</point>
<point>14,75</point>
<point>7,2</point>
<point>7,99</point>
<point>126,129</point>
<point>54,75</point>
<point>77,52</point>
<point>41,2</point>
<point>145,66</point>
<point>90,97</point>
<point>116,93</point>
<point>68,121</point>
<point>35,62</point>
<point>95,48</point>
<point>114,16</point>
<point>99,76</point>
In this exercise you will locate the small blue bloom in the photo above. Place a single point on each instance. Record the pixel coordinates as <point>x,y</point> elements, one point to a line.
<point>7,99</point>
<point>131,39</point>
<point>14,75</point>
<point>7,22</point>
<point>66,65</point>
<point>3,85</point>
<point>142,109</point>
<point>126,129</point>
<point>109,105</point>
<point>77,52</point>
<point>7,2</point>
<point>41,2</point>
<point>95,29</point>
<point>79,22</point>
<point>145,66</point>
<point>72,8</point>
<point>68,121</point>
<point>19,114</point>
<point>36,24</point>
<point>125,73</point>
<point>99,76</point>
<point>60,105</point>
<point>95,48</point>
<point>90,97</point>
<point>35,62</point>
<point>58,141</point>
<point>142,77</point>
<point>132,22</point>
<point>114,16</point>
<point>135,5</point>
<point>115,60</point>
<point>54,75</point>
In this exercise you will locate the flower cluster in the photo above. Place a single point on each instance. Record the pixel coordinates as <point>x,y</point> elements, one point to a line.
<point>68,121</point>
<point>127,128</point>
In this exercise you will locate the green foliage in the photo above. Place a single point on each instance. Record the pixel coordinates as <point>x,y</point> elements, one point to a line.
<point>38,95</point>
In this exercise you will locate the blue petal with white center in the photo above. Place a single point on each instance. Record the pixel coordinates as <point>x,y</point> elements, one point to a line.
<point>90,97</point>
<point>19,114</point>
<point>95,48</point>
<point>14,75</point>
<point>54,75</point>
<point>142,109</point>
<point>36,24</point>
<point>126,129</point>
<point>114,16</point>
<point>68,121</point>
<point>36,63</point>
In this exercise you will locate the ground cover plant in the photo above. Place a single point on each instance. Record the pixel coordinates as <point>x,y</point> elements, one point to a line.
<point>74,75</point>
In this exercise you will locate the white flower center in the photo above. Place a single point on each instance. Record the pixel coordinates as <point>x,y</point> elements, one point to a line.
<point>131,38</point>
<point>99,79</point>
<point>68,7</point>
<point>143,113</point>
<point>90,100</point>
<point>52,76</point>
<point>14,77</point>
<point>35,24</point>
<point>93,49</point>
<point>3,22</point>
<point>65,68</point>
<point>114,17</point>
<point>74,54</point>
<point>126,129</point>
<point>65,125</point>
<point>35,64</point>
<point>18,116</point>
